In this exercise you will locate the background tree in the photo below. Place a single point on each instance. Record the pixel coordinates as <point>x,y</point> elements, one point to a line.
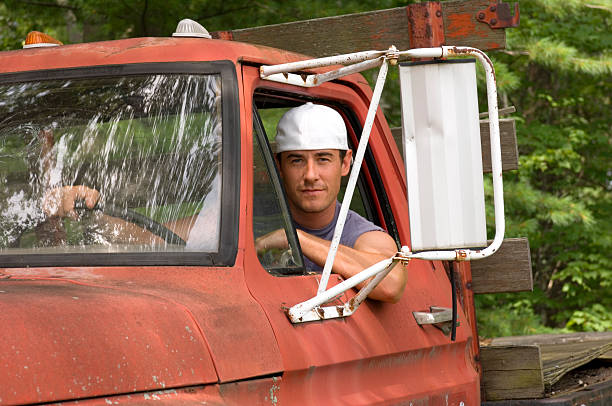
<point>556,70</point>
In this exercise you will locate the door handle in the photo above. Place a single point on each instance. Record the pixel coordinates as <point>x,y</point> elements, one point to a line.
<point>441,317</point>
<point>436,316</point>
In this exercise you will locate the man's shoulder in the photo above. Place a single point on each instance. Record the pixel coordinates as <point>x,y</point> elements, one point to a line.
<point>356,225</point>
<point>358,219</point>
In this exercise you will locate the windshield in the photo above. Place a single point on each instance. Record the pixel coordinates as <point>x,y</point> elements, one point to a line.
<point>148,147</point>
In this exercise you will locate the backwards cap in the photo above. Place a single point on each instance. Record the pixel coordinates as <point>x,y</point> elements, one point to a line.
<point>311,127</point>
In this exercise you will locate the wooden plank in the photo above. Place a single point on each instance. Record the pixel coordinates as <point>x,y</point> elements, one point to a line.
<point>508,270</point>
<point>511,372</point>
<point>607,356</point>
<point>461,27</point>
<point>559,359</point>
<point>509,150</point>
<point>558,353</point>
<point>334,35</point>
<point>551,339</point>
<point>370,30</point>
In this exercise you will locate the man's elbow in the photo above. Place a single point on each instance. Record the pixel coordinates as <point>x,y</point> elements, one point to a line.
<point>393,295</point>
<point>392,288</point>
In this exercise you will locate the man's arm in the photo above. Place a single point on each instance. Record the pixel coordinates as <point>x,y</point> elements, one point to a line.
<point>370,248</point>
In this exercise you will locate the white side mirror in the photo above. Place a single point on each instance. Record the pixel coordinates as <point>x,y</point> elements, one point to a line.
<point>441,134</point>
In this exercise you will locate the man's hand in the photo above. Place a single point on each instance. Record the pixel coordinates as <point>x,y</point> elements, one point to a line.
<point>275,239</point>
<point>60,201</point>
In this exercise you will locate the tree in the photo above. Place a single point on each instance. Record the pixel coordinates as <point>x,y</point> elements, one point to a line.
<point>557,68</point>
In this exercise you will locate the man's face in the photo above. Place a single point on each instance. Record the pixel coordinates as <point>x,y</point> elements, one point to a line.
<point>312,178</point>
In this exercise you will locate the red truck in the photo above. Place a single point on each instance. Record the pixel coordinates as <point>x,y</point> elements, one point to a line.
<point>180,129</point>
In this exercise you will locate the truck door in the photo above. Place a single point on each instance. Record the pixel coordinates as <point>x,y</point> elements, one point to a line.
<point>380,353</point>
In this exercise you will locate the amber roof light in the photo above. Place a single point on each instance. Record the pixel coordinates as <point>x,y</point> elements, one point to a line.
<point>36,39</point>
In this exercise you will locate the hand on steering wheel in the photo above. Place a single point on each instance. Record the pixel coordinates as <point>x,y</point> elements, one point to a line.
<point>63,202</point>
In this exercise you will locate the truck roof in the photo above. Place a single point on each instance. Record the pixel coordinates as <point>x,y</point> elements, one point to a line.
<point>140,50</point>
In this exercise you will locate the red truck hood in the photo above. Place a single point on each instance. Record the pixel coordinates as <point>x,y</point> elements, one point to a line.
<point>67,340</point>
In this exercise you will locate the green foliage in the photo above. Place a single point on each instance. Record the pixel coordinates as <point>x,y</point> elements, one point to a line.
<point>594,318</point>
<point>561,197</point>
<point>505,315</point>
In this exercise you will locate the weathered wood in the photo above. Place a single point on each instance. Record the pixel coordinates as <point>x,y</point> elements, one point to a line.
<point>511,372</point>
<point>509,150</point>
<point>559,359</point>
<point>558,354</point>
<point>334,35</point>
<point>371,30</point>
<point>461,27</point>
<point>508,270</point>
<point>552,339</point>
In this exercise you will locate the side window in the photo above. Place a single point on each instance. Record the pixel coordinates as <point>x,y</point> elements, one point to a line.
<point>270,210</point>
<point>269,205</point>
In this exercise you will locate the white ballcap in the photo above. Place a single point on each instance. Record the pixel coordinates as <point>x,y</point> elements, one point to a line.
<point>310,127</point>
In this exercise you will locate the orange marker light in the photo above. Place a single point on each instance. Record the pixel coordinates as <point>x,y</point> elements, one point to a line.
<point>36,39</point>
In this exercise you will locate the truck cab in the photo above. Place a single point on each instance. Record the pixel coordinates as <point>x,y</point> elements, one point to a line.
<point>182,130</point>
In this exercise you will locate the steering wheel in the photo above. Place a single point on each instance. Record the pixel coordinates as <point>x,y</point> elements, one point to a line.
<point>140,220</point>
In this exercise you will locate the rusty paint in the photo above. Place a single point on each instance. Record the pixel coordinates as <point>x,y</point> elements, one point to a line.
<point>459,25</point>
<point>320,312</point>
<point>340,310</point>
<point>461,255</point>
<point>224,35</point>
<point>425,24</point>
<point>465,274</point>
<point>499,16</point>
<point>351,304</point>
<point>483,57</point>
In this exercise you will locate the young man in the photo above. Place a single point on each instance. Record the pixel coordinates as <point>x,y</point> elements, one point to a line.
<point>312,156</point>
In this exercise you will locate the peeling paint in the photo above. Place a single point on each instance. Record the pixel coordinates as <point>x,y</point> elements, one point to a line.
<point>273,390</point>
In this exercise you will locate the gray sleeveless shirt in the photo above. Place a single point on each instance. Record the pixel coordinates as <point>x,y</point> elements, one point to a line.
<point>354,226</point>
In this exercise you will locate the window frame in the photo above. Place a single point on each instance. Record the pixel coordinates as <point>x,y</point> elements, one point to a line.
<point>230,191</point>
<point>275,179</point>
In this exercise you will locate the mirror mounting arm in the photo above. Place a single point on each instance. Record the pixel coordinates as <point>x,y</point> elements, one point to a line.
<point>311,309</point>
